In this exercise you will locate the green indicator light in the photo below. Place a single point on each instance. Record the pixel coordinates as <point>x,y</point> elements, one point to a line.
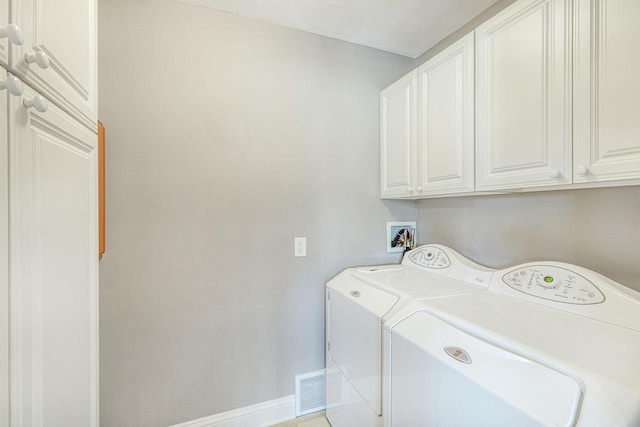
<point>548,279</point>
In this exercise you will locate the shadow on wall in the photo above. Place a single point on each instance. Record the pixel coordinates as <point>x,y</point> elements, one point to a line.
<point>595,228</point>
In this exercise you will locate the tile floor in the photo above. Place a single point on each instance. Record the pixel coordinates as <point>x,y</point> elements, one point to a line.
<point>317,419</point>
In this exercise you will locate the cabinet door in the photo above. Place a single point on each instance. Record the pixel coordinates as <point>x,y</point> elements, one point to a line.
<point>4,259</point>
<point>53,268</point>
<point>4,43</point>
<point>607,91</point>
<point>524,96</point>
<point>445,121</point>
<point>66,31</point>
<point>398,138</point>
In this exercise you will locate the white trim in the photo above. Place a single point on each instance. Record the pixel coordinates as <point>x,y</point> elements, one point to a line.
<point>261,414</point>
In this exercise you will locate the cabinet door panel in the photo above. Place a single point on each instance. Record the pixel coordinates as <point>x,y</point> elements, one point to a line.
<point>445,121</point>
<point>607,91</point>
<point>53,274</point>
<point>4,259</point>
<point>523,96</point>
<point>4,43</point>
<point>398,137</point>
<point>66,31</point>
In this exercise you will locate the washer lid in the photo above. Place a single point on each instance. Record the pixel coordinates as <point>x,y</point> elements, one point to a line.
<point>412,283</point>
<point>443,376</point>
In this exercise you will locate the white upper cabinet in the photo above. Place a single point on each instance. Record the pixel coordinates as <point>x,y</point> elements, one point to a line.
<point>60,35</point>
<point>607,91</point>
<point>557,101</point>
<point>398,138</point>
<point>445,121</point>
<point>524,96</point>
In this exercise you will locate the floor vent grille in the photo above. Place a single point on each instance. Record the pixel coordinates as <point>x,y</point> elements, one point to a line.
<point>309,392</point>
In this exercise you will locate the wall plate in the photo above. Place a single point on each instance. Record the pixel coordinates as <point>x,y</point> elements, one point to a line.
<point>395,227</point>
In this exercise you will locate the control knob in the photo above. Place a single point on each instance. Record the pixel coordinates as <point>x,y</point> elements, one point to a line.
<point>548,282</point>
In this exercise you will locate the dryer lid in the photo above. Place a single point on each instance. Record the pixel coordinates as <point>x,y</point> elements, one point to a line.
<point>600,354</point>
<point>444,376</point>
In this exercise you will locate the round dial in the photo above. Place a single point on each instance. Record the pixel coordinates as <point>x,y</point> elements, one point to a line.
<point>548,282</point>
<point>430,257</point>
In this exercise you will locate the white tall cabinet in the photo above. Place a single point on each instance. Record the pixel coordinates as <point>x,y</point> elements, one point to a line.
<point>398,138</point>
<point>48,216</point>
<point>53,265</point>
<point>524,96</point>
<point>607,91</point>
<point>4,256</point>
<point>445,121</point>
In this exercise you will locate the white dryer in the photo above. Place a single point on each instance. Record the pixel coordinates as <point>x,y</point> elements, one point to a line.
<point>549,344</point>
<point>358,300</point>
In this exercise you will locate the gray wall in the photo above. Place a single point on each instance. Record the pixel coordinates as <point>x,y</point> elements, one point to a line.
<point>226,138</point>
<point>597,228</point>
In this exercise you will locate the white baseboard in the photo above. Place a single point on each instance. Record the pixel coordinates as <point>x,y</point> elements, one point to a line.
<point>259,415</point>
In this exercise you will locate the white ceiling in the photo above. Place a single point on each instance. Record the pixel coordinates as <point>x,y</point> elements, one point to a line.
<point>406,27</point>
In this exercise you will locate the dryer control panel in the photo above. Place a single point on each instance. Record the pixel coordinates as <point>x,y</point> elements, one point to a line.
<point>430,257</point>
<point>554,284</point>
<point>444,261</point>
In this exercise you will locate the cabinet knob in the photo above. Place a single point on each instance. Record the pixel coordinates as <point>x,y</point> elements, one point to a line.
<point>411,190</point>
<point>582,170</point>
<point>420,189</point>
<point>38,102</point>
<point>40,58</point>
<point>554,173</point>
<point>13,85</point>
<point>13,33</point>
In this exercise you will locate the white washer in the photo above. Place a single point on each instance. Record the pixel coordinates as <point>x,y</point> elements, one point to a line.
<point>549,344</point>
<point>358,301</point>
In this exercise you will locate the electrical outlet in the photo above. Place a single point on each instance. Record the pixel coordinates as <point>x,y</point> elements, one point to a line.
<point>300,246</point>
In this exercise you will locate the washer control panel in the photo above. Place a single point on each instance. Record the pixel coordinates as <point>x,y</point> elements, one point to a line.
<point>554,284</point>
<point>430,257</point>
